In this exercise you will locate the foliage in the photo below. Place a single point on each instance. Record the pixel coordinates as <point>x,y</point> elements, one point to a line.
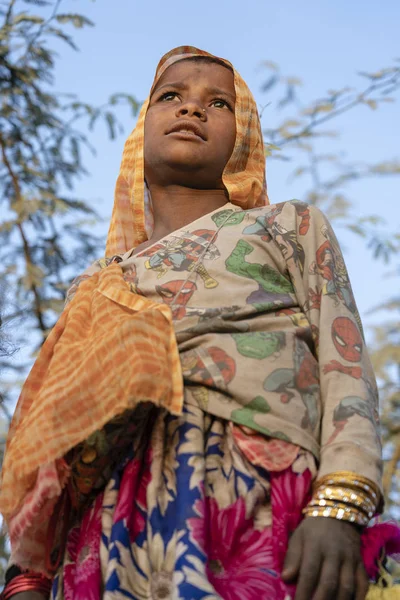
<point>44,227</point>
<point>386,360</point>
<point>301,133</point>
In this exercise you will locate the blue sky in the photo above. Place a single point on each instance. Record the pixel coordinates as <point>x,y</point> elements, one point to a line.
<point>324,43</point>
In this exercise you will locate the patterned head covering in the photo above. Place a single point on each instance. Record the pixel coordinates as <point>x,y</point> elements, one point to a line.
<point>243,177</point>
<point>100,359</point>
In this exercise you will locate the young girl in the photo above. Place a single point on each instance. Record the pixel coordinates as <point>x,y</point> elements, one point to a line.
<point>206,387</point>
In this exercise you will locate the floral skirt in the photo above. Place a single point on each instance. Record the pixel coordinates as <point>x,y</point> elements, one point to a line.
<point>200,509</point>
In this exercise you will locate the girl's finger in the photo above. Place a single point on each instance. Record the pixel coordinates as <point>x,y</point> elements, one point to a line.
<point>308,576</point>
<point>347,581</point>
<point>362,582</point>
<point>328,581</point>
<point>293,557</point>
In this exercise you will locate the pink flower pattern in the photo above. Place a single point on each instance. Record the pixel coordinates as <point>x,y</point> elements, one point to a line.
<point>211,526</point>
<point>82,575</point>
<point>241,561</point>
<point>132,502</point>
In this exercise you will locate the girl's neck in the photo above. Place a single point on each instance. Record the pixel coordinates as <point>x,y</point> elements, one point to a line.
<point>176,206</point>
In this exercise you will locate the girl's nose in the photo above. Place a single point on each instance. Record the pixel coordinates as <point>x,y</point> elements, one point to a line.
<point>191,109</point>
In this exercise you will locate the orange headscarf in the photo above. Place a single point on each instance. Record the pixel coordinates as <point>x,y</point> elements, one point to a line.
<point>100,358</point>
<point>243,177</point>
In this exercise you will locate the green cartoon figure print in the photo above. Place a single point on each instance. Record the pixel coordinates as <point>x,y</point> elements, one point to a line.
<point>260,344</point>
<point>222,218</point>
<point>248,416</point>
<point>273,288</point>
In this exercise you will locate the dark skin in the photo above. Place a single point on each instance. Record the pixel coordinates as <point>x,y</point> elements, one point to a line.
<point>184,174</point>
<point>182,170</point>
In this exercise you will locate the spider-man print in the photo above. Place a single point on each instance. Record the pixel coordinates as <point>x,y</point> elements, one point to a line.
<point>212,367</point>
<point>347,339</point>
<point>177,294</point>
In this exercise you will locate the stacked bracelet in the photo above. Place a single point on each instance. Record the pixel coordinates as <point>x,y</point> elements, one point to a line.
<point>27,582</point>
<point>345,496</point>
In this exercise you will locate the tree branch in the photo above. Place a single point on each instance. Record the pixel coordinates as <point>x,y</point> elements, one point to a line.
<point>26,247</point>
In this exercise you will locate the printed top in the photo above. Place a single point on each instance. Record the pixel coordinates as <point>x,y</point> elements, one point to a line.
<point>268,331</point>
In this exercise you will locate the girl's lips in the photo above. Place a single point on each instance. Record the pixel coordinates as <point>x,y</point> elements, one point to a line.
<point>187,128</point>
<point>186,135</point>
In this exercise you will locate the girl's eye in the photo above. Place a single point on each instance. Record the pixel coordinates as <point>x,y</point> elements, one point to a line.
<point>218,103</point>
<point>168,96</point>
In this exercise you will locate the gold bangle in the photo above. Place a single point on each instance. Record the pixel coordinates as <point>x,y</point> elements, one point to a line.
<point>352,480</point>
<point>348,496</point>
<point>339,512</point>
<point>333,504</point>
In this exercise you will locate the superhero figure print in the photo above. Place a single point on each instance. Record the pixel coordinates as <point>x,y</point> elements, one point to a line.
<point>265,222</point>
<point>292,250</point>
<point>350,407</point>
<point>348,342</point>
<point>228,217</point>
<point>329,264</point>
<point>211,368</point>
<point>304,378</point>
<point>185,252</point>
<point>273,287</point>
<point>347,339</point>
<point>260,344</point>
<point>131,278</point>
<point>177,294</point>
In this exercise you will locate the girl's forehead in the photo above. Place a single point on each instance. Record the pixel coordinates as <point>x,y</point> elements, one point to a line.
<point>186,70</point>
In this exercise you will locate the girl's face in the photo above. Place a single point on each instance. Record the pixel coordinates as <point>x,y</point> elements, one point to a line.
<point>190,129</point>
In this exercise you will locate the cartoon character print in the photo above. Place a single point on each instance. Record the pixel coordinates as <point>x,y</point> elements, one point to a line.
<point>218,319</point>
<point>211,367</point>
<point>131,277</point>
<point>263,223</point>
<point>222,218</point>
<point>303,211</point>
<point>304,378</point>
<point>349,407</point>
<point>273,287</point>
<point>292,250</point>
<point>183,253</point>
<point>260,344</point>
<point>347,339</point>
<point>330,265</point>
<point>177,293</point>
<point>300,320</point>
<point>249,417</point>
<point>348,342</point>
<point>218,312</point>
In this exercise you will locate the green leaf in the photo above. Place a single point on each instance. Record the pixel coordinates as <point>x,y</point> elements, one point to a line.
<point>76,20</point>
<point>372,104</point>
<point>269,64</point>
<point>27,18</point>
<point>294,81</point>
<point>110,120</point>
